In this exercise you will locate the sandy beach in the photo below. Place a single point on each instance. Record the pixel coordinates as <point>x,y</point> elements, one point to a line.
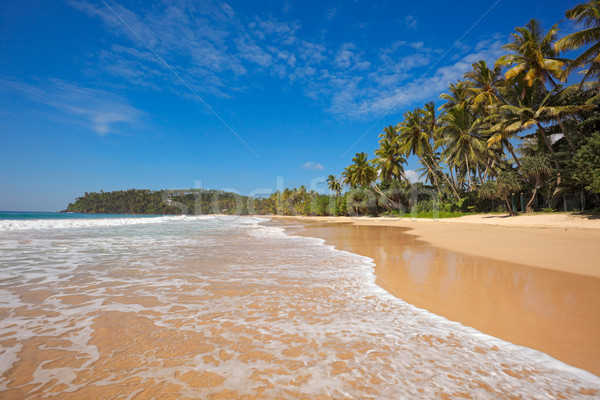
<point>216,307</point>
<point>531,280</point>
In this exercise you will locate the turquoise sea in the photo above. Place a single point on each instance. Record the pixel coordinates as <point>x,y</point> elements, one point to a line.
<point>26,215</point>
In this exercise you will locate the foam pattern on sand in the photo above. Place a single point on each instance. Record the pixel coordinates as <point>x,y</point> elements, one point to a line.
<point>227,308</point>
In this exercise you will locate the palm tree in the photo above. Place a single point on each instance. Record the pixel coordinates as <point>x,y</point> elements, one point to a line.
<point>390,134</point>
<point>334,185</point>
<point>485,82</point>
<point>457,94</point>
<point>532,111</point>
<point>589,15</point>
<point>534,58</point>
<point>389,161</point>
<point>536,169</point>
<point>506,184</point>
<point>415,139</point>
<point>360,173</point>
<point>460,132</point>
<point>430,118</point>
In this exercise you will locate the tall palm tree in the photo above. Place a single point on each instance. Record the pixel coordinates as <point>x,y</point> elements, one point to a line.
<point>536,169</point>
<point>430,119</point>
<point>415,139</point>
<point>533,57</point>
<point>334,185</point>
<point>460,131</point>
<point>485,85</point>
<point>534,109</point>
<point>389,161</point>
<point>589,15</point>
<point>360,173</point>
<point>457,94</point>
<point>390,134</point>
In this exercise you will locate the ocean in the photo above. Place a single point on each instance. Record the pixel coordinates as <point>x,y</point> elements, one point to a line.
<point>230,307</point>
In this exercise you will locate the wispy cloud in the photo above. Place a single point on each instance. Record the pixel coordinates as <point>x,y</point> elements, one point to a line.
<point>394,87</point>
<point>217,51</point>
<point>95,109</point>
<point>410,21</point>
<point>313,166</point>
<point>413,176</point>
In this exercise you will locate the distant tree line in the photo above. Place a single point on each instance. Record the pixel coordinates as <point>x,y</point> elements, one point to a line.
<point>162,202</point>
<point>297,201</point>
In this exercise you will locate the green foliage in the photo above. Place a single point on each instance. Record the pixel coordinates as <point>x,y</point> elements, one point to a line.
<point>163,202</point>
<point>507,183</point>
<point>587,160</point>
<point>469,151</point>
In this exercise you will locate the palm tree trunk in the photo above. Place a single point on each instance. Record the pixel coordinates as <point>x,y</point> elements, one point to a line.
<point>564,132</point>
<point>509,207</point>
<point>388,201</point>
<point>452,176</point>
<point>449,183</point>
<point>512,152</point>
<point>436,183</point>
<point>468,174</point>
<point>546,139</point>
<point>528,207</point>
<point>403,175</point>
<point>549,145</point>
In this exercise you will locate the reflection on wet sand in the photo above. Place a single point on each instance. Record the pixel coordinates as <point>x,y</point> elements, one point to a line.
<point>555,312</point>
<point>214,310</point>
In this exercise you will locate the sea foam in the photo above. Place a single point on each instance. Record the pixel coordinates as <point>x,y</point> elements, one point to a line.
<point>224,305</point>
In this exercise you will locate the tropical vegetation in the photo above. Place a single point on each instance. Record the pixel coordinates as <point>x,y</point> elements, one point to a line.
<point>520,135</point>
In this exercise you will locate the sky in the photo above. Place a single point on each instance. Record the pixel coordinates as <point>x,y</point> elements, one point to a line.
<point>247,96</point>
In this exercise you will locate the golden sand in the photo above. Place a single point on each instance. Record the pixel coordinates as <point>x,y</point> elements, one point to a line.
<point>250,317</point>
<point>555,309</point>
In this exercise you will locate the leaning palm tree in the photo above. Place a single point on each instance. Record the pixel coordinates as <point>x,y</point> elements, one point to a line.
<point>360,173</point>
<point>536,169</point>
<point>460,132</point>
<point>389,161</point>
<point>334,185</point>
<point>415,139</point>
<point>535,109</point>
<point>589,15</point>
<point>533,56</point>
<point>506,184</point>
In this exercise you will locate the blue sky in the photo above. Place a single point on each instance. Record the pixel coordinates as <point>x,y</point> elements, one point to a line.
<point>105,95</point>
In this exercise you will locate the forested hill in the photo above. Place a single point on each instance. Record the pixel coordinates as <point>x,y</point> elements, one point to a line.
<point>172,202</point>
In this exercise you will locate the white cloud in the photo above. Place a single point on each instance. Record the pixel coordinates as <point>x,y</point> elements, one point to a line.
<point>368,97</point>
<point>95,109</point>
<point>410,22</point>
<point>413,176</point>
<point>313,165</point>
<point>218,51</point>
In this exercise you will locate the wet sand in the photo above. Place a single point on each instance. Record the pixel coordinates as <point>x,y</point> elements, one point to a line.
<point>550,310</point>
<point>241,311</point>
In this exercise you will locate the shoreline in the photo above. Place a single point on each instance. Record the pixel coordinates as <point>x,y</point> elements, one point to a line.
<point>535,240</point>
<point>553,309</point>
